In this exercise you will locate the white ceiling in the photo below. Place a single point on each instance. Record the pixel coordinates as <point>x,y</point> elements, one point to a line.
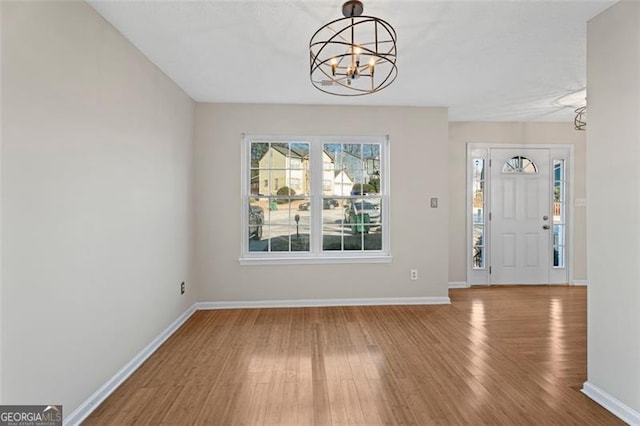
<point>517,60</point>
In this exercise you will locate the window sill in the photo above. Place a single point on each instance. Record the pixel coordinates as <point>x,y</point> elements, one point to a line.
<point>323,260</point>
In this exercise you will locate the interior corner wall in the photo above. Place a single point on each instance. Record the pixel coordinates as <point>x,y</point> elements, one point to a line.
<point>97,209</point>
<point>419,234</point>
<point>1,127</point>
<point>613,223</point>
<point>525,133</point>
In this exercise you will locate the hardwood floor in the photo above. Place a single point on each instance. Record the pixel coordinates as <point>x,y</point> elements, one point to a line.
<point>499,355</point>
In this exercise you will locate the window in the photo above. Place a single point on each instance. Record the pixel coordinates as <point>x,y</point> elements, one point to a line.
<point>328,199</point>
<point>477,210</point>
<point>559,213</point>
<point>519,164</point>
<point>295,184</point>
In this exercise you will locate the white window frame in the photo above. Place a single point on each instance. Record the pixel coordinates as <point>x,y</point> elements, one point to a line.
<point>315,254</point>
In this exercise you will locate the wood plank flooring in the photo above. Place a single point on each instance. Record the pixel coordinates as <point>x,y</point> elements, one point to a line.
<point>498,355</point>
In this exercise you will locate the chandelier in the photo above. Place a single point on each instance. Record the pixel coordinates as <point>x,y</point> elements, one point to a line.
<point>354,55</point>
<point>579,122</point>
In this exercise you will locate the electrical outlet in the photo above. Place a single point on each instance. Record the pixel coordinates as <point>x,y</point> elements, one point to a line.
<point>433,202</point>
<point>414,274</point>
<point>182,287</point>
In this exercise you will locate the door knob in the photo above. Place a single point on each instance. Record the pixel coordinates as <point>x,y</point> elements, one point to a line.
<point>545,226</point>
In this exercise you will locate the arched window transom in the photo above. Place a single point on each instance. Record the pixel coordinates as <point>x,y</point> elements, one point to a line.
<point>519,164</point>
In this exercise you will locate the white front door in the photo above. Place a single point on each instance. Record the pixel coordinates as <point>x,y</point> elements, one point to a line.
<point>520,197</point>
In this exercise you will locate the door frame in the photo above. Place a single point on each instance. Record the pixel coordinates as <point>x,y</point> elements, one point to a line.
<point>475,150</point>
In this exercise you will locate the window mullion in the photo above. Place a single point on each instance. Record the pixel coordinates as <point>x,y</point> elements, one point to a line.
<point>316,195</point>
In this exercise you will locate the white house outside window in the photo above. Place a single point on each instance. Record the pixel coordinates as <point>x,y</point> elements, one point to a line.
<point>324,199</point>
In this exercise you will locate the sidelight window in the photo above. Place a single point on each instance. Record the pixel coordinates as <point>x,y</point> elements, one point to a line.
<point>478,251</point>
<point>559,213</point>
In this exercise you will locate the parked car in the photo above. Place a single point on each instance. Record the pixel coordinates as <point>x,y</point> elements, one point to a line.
<point>256,219</point>
<point>330,203</point>
<point>327,203</point>
<point>362,214</point>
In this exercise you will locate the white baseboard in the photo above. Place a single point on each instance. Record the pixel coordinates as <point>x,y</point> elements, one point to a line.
<point>302,303</point>
<point>459,284</point>
<point>620,409</point>
<point>87,407</point>
<point>581,283</point>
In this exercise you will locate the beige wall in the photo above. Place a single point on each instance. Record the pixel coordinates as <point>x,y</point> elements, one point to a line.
<point>512,133</point>
<point>419,235</point>
<point>1,273</point>
<point>613,140</point>
<point>96,202</point>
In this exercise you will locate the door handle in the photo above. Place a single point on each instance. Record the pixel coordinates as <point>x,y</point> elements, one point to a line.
<point>545,226</point>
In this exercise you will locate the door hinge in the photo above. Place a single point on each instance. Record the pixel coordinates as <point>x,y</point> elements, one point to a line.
<point>489,270</point>
<point>489,163</point>
<point>489,215</point>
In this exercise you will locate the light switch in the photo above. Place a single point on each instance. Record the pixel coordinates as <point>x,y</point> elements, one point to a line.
<point>581,202</point>
<point>434,202</point>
